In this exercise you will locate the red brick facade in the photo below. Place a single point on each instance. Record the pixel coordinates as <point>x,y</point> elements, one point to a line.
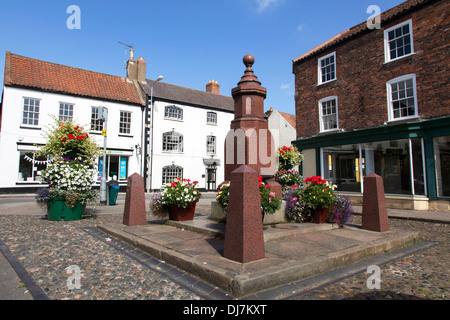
<point>362,74</point>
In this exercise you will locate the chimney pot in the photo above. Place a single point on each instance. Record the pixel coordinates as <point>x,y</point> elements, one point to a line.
<point>213,87</point>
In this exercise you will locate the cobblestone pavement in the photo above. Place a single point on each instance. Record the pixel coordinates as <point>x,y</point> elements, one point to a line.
<point>47,248</point>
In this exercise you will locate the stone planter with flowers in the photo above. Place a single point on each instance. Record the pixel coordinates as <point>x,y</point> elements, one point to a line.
<point>177,201</point>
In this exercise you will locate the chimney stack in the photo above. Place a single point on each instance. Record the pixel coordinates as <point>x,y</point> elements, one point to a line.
<point>213,87</point>
<point>136,70</point>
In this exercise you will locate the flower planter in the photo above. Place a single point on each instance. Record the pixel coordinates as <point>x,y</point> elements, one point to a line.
<point>182,214</point>
<point>57,210</point>
<point>319,215</point>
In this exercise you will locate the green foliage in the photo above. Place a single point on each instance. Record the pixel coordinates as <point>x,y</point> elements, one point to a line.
<point>288,157</point>
<point>270,203</point>
<point>317,193</point>
<point>180,193</point>
<point>66,139</point>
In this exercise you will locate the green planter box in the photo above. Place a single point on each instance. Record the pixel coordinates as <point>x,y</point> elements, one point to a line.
<point>57,210</point>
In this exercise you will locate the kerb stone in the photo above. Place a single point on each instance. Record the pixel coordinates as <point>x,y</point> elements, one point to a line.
<point>374,211</point>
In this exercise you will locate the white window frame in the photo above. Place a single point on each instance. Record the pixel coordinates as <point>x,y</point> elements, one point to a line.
<point>169,144</point>
<point>125,125</point>
<point>33,112</point>
<point>97,122</point>
<point>173,112</point>
<point>387,51</point>
<point>170,173</point>
<point>65,107</point>
<point>211,145</point>
<point>319,68</point>
<point>321,115</point>
<point>391,101</point>
<point>211,118</point>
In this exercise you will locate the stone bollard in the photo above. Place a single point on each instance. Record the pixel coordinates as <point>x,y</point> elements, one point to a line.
<point>374,212</point>
<point>244,237</point>
<point>134,212</point>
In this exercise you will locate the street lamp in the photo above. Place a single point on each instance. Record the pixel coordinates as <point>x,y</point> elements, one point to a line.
<point>149,185</point>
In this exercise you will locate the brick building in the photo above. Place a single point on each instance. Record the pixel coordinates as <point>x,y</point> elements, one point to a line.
<point>377,100</point>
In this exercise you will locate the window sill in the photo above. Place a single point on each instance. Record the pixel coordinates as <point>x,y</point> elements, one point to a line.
<point>173,152</point>
<point>173,119</point>
<point>30,127</point>
<point>400,58</point>
<point>403,119</point>
<point>323,83</point>
<point>211,124</point>
<point>125,135</point>
<point>18,183</point>
<point>330,131</point>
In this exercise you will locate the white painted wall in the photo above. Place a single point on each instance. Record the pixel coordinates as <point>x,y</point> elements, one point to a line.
<point>194,129</point>
<point>286,132</point>
<point>14,136</point>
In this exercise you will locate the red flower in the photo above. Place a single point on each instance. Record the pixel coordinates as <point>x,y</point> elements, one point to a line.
<point>174,184</point>
<point>71,137</point>
<point>195,182</point>
<point>63,139</point>
<point>87,136</point>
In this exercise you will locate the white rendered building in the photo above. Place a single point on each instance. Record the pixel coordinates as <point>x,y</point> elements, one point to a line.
<point>34,91</point>
<point>188,131</point>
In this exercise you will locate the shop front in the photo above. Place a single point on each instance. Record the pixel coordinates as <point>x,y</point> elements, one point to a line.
<point>412,158</point>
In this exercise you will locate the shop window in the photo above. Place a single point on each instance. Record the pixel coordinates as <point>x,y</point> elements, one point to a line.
<point>442,163</point>
<point>116,167</point>
<point>30,167</point>
<point>347,165</point>
<point>342,166</point>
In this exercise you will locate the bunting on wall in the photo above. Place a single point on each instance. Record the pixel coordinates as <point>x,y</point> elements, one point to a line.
<point>37,161</point>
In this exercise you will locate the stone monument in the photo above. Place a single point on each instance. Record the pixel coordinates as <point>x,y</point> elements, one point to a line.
<point>249,140</point>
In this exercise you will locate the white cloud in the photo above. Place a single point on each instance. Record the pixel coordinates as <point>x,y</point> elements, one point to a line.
<point>264,4</point>
<point>300,27</point>
<point>285,86</point>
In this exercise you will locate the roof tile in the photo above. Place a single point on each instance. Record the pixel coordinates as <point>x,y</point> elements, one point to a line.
<point>41,75</point>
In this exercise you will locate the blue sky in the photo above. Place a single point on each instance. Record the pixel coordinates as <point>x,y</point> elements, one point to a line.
<point>189,42</point>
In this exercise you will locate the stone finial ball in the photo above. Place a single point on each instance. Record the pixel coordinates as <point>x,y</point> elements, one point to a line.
<point>249,60</point>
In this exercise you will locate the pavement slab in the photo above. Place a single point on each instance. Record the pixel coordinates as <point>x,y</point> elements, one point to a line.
<point>293,254</point>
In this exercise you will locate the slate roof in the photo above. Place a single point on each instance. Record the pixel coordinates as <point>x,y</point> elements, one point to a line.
<point>174,93</point>
<point>46,76</point>
<point>354,31</point>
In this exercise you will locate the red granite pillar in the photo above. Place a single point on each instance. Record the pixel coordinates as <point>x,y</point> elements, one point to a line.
<point>374,211</point>
<point>249,140</point>
<point>244,238</point>
<point>134,212</point>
